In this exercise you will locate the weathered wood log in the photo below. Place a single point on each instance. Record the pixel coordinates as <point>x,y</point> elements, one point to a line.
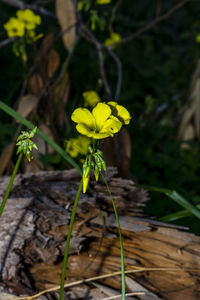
<point>33,231</point>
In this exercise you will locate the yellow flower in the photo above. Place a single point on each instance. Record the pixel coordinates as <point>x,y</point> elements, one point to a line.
<point>80,5</point>
<point>29,19</point>
<point>14,27</point>
<point>76,146</point>
<point>101,2</point>
<point>114,38</point>
<point>120,112</point>
<point>91,98</point>
<point>99,124</point>
<point>71,148</point>
<point>197,38</point>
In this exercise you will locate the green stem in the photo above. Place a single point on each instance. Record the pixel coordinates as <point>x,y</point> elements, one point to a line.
<point>10,183</point>
<point>68,241</point>
<point>121,241</point>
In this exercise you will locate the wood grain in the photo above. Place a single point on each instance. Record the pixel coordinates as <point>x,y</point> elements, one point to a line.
<point>33,231</point>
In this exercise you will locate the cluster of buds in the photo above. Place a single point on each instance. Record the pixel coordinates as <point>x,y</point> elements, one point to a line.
<point>25,144</point>
<point>94,161</point>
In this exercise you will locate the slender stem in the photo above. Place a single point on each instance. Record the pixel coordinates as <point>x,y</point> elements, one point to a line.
<point>65,259</point>
<point>10,183</point>
<point>119,72</point>
<point>120,237</point>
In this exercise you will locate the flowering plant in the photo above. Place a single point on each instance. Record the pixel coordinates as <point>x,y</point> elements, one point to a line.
<point>14,27</point>
<point>23,26</point>
<point>29,19</point>
<point>91,98</point>
<point>77,146</point>
<point>104,121</point>
<point>25,147</point>
<point>102,2</point>
<point>113,39</point>
<point>25,144</point>
<point>98,124</point>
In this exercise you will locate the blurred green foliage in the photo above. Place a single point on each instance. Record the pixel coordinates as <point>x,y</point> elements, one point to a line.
<point>157,69</point>
<point>158,160</point>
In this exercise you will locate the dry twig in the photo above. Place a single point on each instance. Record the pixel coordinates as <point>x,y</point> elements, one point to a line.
<point>21,5</point>
<point>78,282</point>
<point>92,39</point>
<point>6,42</point>
<point>153,22</point>
<point>119,72</point>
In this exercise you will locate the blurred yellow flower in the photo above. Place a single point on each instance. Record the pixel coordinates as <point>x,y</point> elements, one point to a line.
<point>14,27</point>
<point>80,5</point>
<point>29,19</point>
<point>99,124</point>
<point>76,146</point>
<point>114,38</point>
<point>101,2</point>
<point>91,98</point>
<point>120,112</point>
<point>197,38</point>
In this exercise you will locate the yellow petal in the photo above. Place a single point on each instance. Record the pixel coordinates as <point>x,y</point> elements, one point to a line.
<point>71,148</point>
<point>101,113</point>
<point>123,114</point>
<point>113,106</point>
<point>85,183</point>
<point>101,2</point>
<point>84,116</point>
<point>38,20</point>
<point>80,5</point>
<point>197,38</point>
<point>85,130</point>
<point>120,112</point>
<point>103,135</point>
<point>111,126</point>
<point>112,103</point>
<point>76,146</point>
<point>20,14</point>
<point>91,98</point>
<point>114,38</point>
<point>29,18</point>
<point>84,143</point>
<point>14,27</point>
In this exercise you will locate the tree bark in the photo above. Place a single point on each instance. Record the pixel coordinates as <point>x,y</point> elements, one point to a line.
<point>33,231</point>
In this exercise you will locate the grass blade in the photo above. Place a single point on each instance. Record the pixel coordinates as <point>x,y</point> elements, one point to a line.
<point>7,193</point>
<point>28,124</point>
<point>175,197</point>
<point>177,215</point>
